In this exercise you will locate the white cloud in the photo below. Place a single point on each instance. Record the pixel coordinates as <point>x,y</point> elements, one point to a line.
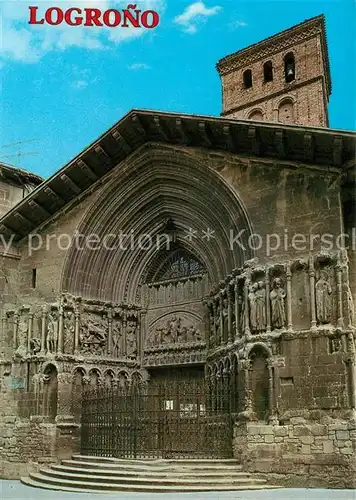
<point>28,43</point>
<point>136,66</point>
<point>195,14</point>
<point>237,24</point>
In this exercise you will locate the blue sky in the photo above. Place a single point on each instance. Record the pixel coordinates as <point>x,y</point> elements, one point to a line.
<point>65,86</point>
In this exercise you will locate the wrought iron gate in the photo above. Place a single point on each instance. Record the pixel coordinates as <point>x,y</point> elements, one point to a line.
<point>175,422</point>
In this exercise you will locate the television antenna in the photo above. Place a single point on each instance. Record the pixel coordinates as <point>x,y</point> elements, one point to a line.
<point>19,153</point>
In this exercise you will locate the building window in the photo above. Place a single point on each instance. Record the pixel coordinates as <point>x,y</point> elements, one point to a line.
<point>289,67</point>
<point>34,278</point>
<point>256,115</point>
<point>247,79</point>
<point>268,71</point>
<point>286,111</point>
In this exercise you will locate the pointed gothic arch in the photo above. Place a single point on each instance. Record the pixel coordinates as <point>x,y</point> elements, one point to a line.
<point>138,199</point>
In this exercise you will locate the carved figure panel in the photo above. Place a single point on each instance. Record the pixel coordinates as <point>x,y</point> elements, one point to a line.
<point>93,333</point>
<point>22,332</point>
<point>68,330</point>
<point>175,328</point>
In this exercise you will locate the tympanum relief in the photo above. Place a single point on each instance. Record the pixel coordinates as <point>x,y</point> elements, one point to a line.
<point>177,328</point>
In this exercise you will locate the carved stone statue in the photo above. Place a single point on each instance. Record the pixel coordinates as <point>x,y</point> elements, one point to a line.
<point>252,299</point>
<point>277,297</point>
<point>52,333</point>
<point>323,298</point>
<point>261,307</point>
<point>116,339</point>
<point>173,328</point>
<point>242,314</point>
<point>68,330</point>
<point>225,314</point>
<point>131,341</point>
<point>217,321</point>
<point>22,332</point>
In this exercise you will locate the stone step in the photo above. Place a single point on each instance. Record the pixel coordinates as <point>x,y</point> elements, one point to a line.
<point>188,472</point>
<point>154,461</point>
<point>139,480</point>
<point>157,465</point>
<point>40,481</point>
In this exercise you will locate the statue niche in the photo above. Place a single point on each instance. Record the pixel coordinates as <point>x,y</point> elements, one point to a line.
<point>52,332</point>
<point>257,305</point>
<point>323,298</point>
<point>277,297</point>
<point>174,329</point>
<point>68,330</point>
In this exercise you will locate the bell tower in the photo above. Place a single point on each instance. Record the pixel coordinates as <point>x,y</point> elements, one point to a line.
<point>284,78</point>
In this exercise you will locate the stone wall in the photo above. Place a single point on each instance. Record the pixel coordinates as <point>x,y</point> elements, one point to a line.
<point>27,441</point>
<point>302,453</point>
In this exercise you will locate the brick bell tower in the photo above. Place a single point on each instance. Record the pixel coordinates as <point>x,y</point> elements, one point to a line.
<point>285,78</point>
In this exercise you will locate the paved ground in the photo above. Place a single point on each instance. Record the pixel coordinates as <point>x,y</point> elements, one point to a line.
<point>14,490</point>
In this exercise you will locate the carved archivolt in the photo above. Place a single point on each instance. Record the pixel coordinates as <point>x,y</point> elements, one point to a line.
<point>132,195</point>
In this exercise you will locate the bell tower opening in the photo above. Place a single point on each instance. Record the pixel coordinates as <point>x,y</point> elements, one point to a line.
<point>292,64</point>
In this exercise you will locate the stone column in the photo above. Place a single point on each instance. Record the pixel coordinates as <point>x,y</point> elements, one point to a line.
<point>247,317</point>
<point>225,390</point>
<point>14,330</point>
<point>340,318</point>
<point>349,307</point>
<point>229,312</point>
<point>139,348</point>
<point>109,345</point>
<point>60,328</point>
<point>222,336</point>
<point>123,336</point>
<point>351,361</point>
<point>289,298</point>
<point>272,419</point>
<point>43,331</point>
<point>215,339</point>
<point>268,302</point>
<point>245,366</point>
<point>237,310</point>
<point>64,400</point>
<point>29,331</point>
<point>76,330</point>
<point>207,323</point>
<point>312,292</point>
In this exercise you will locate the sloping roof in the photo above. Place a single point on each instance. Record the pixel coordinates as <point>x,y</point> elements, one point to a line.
<point>289,37</point>
<point>307,145</point>
<point>16,175</point>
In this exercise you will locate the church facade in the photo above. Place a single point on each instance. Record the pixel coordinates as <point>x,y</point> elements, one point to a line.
<point>201,251</point>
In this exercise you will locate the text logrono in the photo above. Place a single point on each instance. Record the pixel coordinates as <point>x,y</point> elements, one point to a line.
<point>112,18</point>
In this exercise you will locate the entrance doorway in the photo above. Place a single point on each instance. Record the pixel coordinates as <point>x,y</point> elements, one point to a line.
<point>171,418</point>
